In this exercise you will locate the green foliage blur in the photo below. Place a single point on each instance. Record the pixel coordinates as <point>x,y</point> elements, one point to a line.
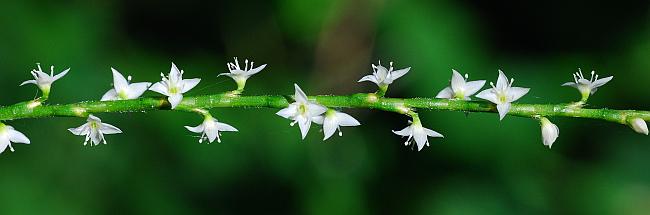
<point>482,166</point>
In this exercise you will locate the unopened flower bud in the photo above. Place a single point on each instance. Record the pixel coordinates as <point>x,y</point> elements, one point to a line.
<point>638,125</point>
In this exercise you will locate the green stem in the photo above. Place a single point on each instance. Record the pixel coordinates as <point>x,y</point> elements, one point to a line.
<point>365,101</point>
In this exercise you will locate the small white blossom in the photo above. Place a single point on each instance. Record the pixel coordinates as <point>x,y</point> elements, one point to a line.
<point>587,87</point>
<point>383,76</point>
<point>415,132</point>
<point>241,75</point>
<point>302,111</point>
<point>639,126</point>
<point>333,120</point>
<point>503,94</point>
<point>94,130</point>
<point>550,132</point>
<point>173,86</point>
<point>43,80</point>
<point>210,129</point>
<point>460,88</point>
<point>9,135</point>
<point>123,90</point>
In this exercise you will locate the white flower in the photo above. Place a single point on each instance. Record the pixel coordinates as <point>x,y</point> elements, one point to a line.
<point>302,111</point>
<point>94,130</point>
<point>382,76</point>
<point>639,126</point>
<point>43,80</point>
<point>9,135</point>
<point>240,76</point>
<point>550,132</point>
<point>460,88</point>
<point>503,94</point>
<point>173,86</point>
<point>123,90</point>
<point>333,120</point>
<point>587,87</point>
<point>210,129</point>
<point>415,132</point>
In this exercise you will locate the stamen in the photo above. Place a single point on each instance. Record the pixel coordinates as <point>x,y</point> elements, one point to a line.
<point>581,75</point>
<point>340,132</point>
<point>592,75</point>
<point>466,76</point>
<point>512,80</point>
<point>52,70</point>
<point>492,84</point>
<point>129,78</point>
<point>246,65</point>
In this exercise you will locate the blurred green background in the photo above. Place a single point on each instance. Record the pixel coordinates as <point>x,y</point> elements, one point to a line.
<point>483,166</point>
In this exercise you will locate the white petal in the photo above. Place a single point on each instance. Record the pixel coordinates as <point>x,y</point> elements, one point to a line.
<point>457,81</point>
<point>109,129</point>
<point>174,74</point>
<point>304,125</point>
<point>110,95</point>
<point>81,130</point>
<point>329,127</point>
<point>502,81</point>
<point>197,129</point>
<point>516,93</point>
<point>256,70</point>
<point>225,127</point>
<point>601,82</point>
<point>119,82</point>
<point>94,118</point>
<point>394,75</point>
<point>370,78</point>
<point>570,84</point>
<point>473,86</point>
<point>420,138</point>
<point>446,93</point>
<point>60,75</point>
<point>227,74</point>
<point>212,133</point>
<point>137,89</point>
<point>408,131</point>
<point>503,110</point>
<point>432,133</point>
<point>175,99</point>
<point>28,82</point>
<point>42,75</point>
<point>346,120</point>
<point>160,88</point>
<point>4,143</point>
<point>318,119</point>
<point>488,94</point>
<point>299,95</point>
<point>17,137</point>
<point>188,84</point>
<point>316,109</point>
<point>96,137</point>
<point>288,112</point>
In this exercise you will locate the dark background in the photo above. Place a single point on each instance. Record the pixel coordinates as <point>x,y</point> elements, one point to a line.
<point>483,166</point>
